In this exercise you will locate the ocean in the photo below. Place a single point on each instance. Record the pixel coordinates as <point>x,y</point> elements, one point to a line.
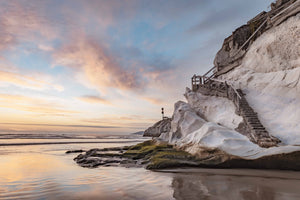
<point>40,169</point>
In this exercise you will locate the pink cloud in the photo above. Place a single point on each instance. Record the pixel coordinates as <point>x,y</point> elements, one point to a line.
<point>33,105</point>
<point>24,81</point>
<point>153,100</point>
<point>93,99</point>
<point>21,21</point>
<point>99,69</point>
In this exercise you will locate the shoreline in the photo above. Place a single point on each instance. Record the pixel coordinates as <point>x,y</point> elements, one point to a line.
<point>78,142</point>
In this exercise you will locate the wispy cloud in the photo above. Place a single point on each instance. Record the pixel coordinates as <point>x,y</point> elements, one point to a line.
<point>20,21</point>
<point>89,58</point>
<point>33,105</point>
<point>63,125</point>
<point>153,100</point>
<point>93,99</point>
<point>226,16</point>
<point>24,81</point>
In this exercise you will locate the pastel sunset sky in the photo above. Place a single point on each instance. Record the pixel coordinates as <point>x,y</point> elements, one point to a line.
<point>106,66</point>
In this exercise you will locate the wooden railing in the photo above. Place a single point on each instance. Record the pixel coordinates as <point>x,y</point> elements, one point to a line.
<point>213,84</point>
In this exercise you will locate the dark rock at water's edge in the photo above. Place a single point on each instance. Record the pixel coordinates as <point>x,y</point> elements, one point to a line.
<point>75,151</point>
<point>162,126</point>
<point>153,155</point>
<point>148,154</point>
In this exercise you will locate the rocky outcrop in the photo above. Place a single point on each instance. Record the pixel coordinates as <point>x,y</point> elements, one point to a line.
<point>191,132</point>
<point>160,127</point>
<point>155,155</point>
<point>236,45</point>
<point>149,154</point>
<point>251,126</point>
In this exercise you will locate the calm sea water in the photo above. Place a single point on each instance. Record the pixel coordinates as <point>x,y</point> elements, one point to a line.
<point>46,172</point>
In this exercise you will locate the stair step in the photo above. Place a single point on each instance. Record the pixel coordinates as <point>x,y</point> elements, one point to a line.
<point>262,132</point>
<point>251,116</point>
<point>255,123</point>
<point>249,112</point>
<point>258,129</point>
<point>252,120</point>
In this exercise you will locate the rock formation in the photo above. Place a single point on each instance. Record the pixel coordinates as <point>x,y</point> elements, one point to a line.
<point>236,45</point>
<point>215,129</point>
<point>160,127</point>
<point>267,71</point>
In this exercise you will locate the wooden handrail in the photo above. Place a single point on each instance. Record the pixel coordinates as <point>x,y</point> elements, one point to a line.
<point>209,70</point>
<point>297,1</point>
<point>225,82</point>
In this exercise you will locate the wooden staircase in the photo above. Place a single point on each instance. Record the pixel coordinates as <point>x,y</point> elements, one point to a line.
<point>251,126</point>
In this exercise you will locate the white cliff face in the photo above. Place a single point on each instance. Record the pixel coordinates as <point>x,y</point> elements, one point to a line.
<point>270,77</point>
<point>215,109</point>
<point>191,132</point>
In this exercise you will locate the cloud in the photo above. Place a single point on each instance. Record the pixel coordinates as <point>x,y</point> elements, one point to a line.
<point>62,125</point>
<point>227,16</point>
<point>34,105</point>
<point>20,21</point>
<point>44,47</point>
<point>99,69</point>
<point>215,20</point>
<point>24,81</point>
<point>93,99</point>
<point>156,101</point>
<point>121,120</point>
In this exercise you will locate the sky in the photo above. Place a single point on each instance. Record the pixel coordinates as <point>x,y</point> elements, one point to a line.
<point>106,66</point>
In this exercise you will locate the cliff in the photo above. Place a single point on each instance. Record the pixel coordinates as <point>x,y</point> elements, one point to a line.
<point>261,60</point>
<point>236,45</point>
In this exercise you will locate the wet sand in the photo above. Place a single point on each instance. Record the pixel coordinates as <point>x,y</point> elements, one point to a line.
<point>46,172</point>
<point>235,184</point>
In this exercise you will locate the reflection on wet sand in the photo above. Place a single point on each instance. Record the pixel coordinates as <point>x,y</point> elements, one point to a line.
<point>46,172</point>
<point>213,186</point>
<point>44,176</point>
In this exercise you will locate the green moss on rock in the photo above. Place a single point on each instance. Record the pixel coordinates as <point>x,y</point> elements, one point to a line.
<point>143,150</point>
<point>158,156</point>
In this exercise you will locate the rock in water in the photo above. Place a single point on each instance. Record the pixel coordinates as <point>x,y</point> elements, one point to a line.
<point>163,126</point>
<point>75,151</point>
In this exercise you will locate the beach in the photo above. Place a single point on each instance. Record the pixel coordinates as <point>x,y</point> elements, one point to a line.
<point>45,171</point>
